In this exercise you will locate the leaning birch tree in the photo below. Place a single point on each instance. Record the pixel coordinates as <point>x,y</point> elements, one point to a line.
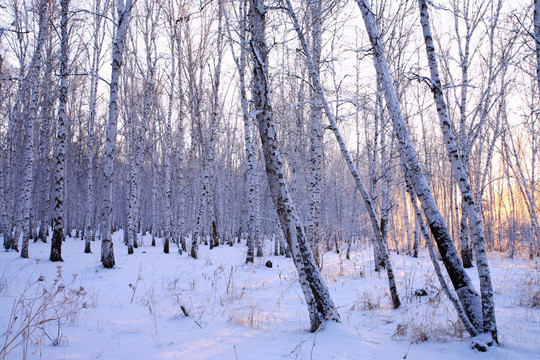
<point>461,177</point>
<point>316,82</point>
<point>466,293</point>
<point>320,304</point>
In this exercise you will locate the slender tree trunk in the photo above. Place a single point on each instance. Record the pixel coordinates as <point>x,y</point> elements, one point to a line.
<point>96,55</point>
<point>251,156</point>
<point>313,230</point>
<point>354,172</point>
<point>59,172</point>
<point>180,150</point>
<point>460,280</point>
<point>407,221</point>
<point>477,232</point>
<point>168,141</point>
<point>212,208</point>
<point>107,252</point>
<point>43,168</point>
<point>537,40</point>
<point>33,78</point>
<point>318,300</point>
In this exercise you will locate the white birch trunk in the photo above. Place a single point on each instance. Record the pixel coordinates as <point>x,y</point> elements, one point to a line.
<point>461,177</point>
<point>132,201</point>
<point>214,240</point>
<point>94,70</point>
<point>537,40</point>
<point>168,142</point>
<point>43,176</point>
<point>155,195</point>
<point>60,157</point>
<point>318,300</point>
<point>251,156</point>
<point>348,159</point>
<point>315,136</point>
<point>460,280</point>
<point>107,251</point>
<point>180,176</point>
<point>28,171</point>
<point>466,250</point>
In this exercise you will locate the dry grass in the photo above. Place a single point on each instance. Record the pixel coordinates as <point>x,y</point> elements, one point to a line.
<point>44,308</point>
<point>529,290</point>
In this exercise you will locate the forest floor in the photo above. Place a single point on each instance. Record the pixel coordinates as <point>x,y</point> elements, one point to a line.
<point>79,310</point>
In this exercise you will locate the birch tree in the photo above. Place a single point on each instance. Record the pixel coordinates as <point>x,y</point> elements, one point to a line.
<point>240,61</point>
<point>180,176</point>
<point>148,26</point>
<point>172,29</point>
<point>461,177</point>
<point>48,98</point>
<point>313,229</point>
<point>60,156</point>
<point>107,251</point>
<point>314,75</point>
<point>15,126</point>
<point>463,286</point>
<point>33,78</point>
<point>537,40</point>
<point>98,39</point>
<point>318,300</point>
<point>205,136</point>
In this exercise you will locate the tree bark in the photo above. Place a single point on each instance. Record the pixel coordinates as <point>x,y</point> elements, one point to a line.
<point>345,153</point>
<point>318,300</point>
<point>461,177</point>
<point>33,78</point>
<point>59,171</point>
<point>460,280</point>
<point>107,251</point>
<point>313,230</point>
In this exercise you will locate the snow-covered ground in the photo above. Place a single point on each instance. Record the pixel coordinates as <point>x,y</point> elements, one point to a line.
<point>238,311</point>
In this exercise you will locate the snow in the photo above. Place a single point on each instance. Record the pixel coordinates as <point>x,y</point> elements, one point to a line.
<point>239,311</point>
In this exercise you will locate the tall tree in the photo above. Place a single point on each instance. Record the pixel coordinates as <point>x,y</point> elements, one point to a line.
<point>320,305</point>
<point>249,140</point>
<point>99,10</point>
<point>313,229</point>
<point>462,179</point>
<point>314,75</point>
<point>60,156</point>
<point>537,40</point>
<point>33,78</point>
<point>463,286</point>
<point>107,251</point>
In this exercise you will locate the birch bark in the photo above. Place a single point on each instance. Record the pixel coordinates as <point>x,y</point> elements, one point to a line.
<point>460,280</point>
<point>348,159</point>
<point>251,156</point>
<point>180,176</point>
<point>33,78</point>
<point>315,135</point>
<point>107,251</point>
<point>60,158</point>
<point>168,135</point>
<point>537,40</point>
<point>461,177</point>
<point>318,300</point>
<point>98,36</point>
